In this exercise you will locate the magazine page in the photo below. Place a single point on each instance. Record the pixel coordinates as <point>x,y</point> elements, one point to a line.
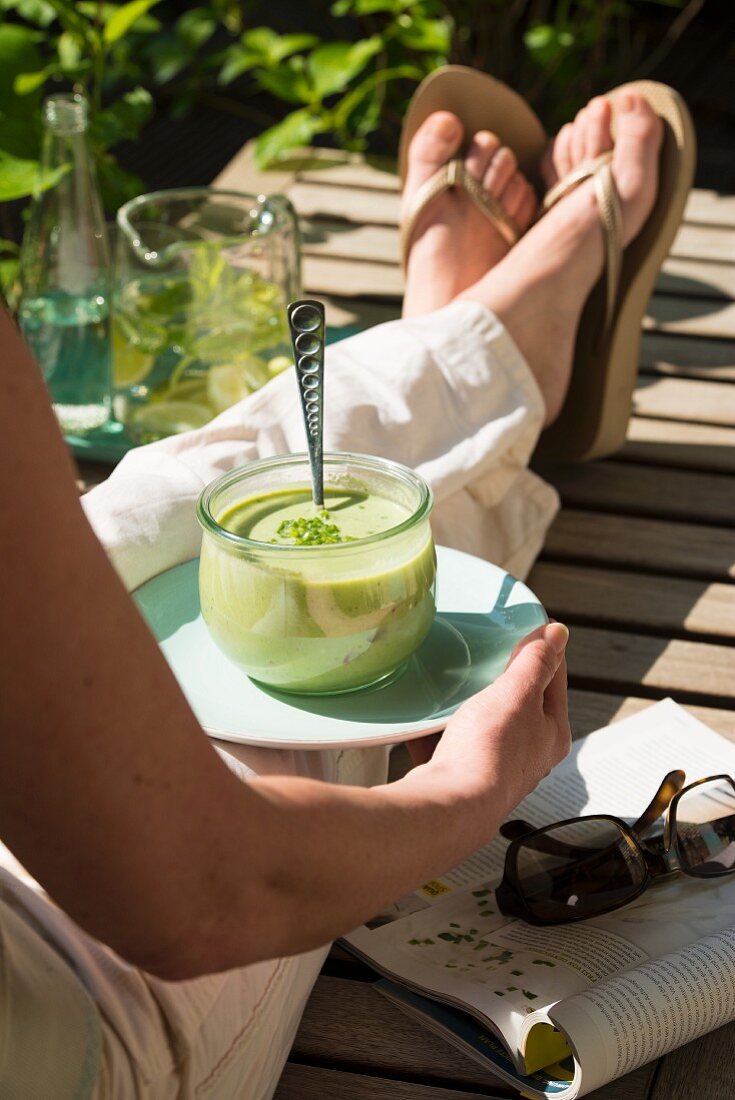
<point>637,1016</point>
<point>453,943</point>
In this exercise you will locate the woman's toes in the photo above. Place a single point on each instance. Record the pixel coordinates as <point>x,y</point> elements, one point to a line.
<point>578,139</point>
<point>598,138</point>
<point>500,171</point>
<point>562,152</point>
<point>481,151</point>
<point>528,210</point>
<point>435,142</point>
<point>513,195</point>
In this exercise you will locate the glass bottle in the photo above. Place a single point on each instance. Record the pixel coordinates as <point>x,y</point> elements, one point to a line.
<point>65,273</point>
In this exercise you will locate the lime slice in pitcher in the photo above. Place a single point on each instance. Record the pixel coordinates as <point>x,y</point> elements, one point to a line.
<point>162,418</point>
<point>130,364</point>
<point>225,386</point>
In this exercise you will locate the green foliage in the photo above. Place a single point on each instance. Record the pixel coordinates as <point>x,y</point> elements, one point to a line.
<point>349,88</point>
<point>57,44</point>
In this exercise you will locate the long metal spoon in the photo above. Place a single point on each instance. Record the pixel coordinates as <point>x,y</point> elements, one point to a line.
<point>307,328</point>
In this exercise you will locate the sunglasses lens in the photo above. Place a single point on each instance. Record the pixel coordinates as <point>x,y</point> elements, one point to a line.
<point>705,829</point>
<point>577,870</point>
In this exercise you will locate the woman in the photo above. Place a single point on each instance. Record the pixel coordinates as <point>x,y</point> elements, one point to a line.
<point>144,835</point>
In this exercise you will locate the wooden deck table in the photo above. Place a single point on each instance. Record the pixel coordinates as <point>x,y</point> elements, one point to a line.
<point>640,563</point>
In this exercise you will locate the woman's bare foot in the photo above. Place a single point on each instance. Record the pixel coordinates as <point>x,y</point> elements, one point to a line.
<point>454,244</point>
<point>538,290</point>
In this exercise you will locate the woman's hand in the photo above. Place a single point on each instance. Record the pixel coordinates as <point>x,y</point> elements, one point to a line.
<point>505,739</point>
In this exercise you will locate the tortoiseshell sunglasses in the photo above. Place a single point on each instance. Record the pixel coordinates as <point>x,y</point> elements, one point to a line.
<point>586,866</point>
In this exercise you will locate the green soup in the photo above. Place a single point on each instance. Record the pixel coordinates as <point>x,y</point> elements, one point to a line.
<point>312,607</point>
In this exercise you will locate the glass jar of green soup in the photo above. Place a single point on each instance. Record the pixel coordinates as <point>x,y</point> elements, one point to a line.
<point>318,601</point>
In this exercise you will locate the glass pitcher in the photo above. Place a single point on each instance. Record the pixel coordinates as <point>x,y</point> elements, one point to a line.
<point>201,286</point>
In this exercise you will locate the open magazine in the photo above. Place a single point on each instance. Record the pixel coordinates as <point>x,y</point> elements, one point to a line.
<point>559,1011</point>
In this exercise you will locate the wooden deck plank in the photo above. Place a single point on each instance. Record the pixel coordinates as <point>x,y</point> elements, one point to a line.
<point>710,208</point>
<point>635,601</point>
<point>348,1023</point>
<point>642,543</point>
<point>669,353</point>
<point>677,443</point>
<point>303,1082</point>
<point>660,493</point>
<point>690,316</point>
<point>591,710</point>
<point>300,1082</point>
<point>703,242</point>
<point>685,399</point>
<point>624,663</point>
<point>701,1070</point>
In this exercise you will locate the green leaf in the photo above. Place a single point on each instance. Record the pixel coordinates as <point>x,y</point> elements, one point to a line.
<point>123,119</point>
<point>121,20</point>
<point>426,35</point>
<point>332,67</point>
<point>273,48</point>
<point>69,50</point>
<point>146,24</point>
<point>235,61</point>
<point>296,129</point>
<point>20,178</point>
<point>546,43</point>
<point>25,83</point>
<point>353,100</point>
<point>38,12</point>
<point>18,54</point>
<point>288,81</point>
<point>368,7</point>
<point>195,27</point>
<point>10,247</point>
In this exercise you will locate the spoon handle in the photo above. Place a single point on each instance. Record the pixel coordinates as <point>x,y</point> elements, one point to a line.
<point>307,329</point>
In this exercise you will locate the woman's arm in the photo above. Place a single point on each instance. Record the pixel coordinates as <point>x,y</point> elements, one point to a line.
<point>114,799</point>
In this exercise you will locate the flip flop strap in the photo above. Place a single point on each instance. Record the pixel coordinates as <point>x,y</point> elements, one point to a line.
<point>454,174</point>
<point>608,203</point>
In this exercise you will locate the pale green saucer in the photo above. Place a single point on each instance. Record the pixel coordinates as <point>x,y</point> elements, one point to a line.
<point>482,613</point>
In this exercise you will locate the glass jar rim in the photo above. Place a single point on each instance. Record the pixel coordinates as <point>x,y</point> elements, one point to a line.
<point>128,209</point>
<point>331,458</point>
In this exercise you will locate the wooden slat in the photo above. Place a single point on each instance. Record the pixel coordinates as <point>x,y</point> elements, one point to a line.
<point>591,710</point>
<point>354,311</point>
<point>701,1070</point>
<point>699,242</point>
<point>696,278</point>
<point>635,600</point>
<point>655,545</point>
<point>325,275</point>
<point>691,316</point>
<point>710,208</point>
<point>348,1023</point>
<point>353,204</point>
<point>302,1082</point>
<point>685,399</point>
<point>683,355</point>
<point>299,1082</point>
<point>647,490</point>
<point>674,443</point>
<point>377,174</point>
<point>623,663</point>
<point>362,241</point>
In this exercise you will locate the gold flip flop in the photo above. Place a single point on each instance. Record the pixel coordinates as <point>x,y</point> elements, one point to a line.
<point>481,103</point>
<point>594,419</point>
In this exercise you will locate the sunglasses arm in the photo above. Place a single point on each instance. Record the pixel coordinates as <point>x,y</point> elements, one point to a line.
<point>671,784</point>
